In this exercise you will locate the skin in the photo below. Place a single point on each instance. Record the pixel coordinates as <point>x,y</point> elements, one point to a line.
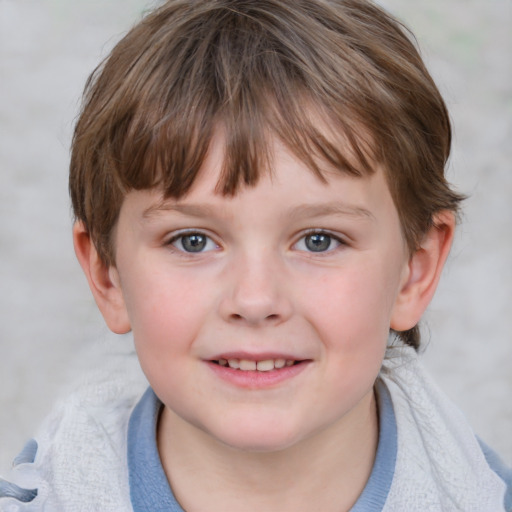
<point>257,288</point>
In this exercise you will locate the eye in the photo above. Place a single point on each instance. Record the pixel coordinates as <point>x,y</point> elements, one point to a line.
<point>318,242</point>
<point>193,242</point>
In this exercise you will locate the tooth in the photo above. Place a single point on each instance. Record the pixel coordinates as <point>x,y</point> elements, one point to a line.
<point>223,362</point>
<point>265,366</point>
<point>247,365</point>
<point>279,363</point>
<point>234,363</point>
<point>289,363</point>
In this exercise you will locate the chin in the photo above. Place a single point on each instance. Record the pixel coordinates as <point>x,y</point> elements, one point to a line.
<point>258,437</point>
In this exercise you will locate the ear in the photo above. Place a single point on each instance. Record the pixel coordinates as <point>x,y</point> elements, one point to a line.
<point>103,281</point>
<point>422,273</point>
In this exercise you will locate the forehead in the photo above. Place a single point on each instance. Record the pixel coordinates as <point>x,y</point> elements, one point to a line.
<point>289,189</point>
<point>220,175</point>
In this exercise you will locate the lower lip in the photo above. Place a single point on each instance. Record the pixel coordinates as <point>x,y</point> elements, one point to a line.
<point>254,379</point>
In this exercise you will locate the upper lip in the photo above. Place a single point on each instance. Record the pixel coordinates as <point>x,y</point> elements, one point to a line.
<point>260,356</point>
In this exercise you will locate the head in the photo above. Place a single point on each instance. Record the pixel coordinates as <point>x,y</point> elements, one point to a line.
<point>339,83</point>
<point>262,183</point>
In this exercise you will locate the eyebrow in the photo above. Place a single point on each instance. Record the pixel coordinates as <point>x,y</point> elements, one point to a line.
<point>332,208</point>
<point>298,212</point>
<point>192,210</point>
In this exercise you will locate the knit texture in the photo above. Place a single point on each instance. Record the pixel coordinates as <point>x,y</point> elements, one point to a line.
<point>81,462</point>
<point>440,466</point>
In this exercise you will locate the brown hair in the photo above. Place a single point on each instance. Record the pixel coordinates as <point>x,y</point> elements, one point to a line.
<point>258,68</point>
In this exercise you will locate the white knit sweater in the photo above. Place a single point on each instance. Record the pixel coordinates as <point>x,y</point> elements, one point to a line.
<point>81,463</point>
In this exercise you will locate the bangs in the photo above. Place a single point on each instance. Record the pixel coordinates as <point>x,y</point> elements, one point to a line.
<point>173,152</point>
<point>240,78</point>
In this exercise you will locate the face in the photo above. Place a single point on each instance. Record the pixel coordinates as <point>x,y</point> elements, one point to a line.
<point>262,319</point>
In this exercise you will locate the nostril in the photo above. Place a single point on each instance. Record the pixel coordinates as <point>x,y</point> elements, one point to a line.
<point>269,318</point>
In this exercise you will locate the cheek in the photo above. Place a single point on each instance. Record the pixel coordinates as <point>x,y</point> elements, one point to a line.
<point>352,309</point>
<point>165,313</point>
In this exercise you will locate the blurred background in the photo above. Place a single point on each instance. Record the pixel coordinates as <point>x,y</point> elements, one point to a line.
<point>50,331</point>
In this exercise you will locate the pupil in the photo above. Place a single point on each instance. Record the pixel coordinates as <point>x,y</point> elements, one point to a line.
<point>318,242</point>
<point>194,243</point>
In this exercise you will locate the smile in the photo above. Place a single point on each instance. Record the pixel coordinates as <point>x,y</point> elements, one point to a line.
<point>251,365</point>
<point>257,371</point>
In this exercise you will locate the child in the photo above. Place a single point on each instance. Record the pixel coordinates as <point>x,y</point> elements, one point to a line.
<point>260,198</point>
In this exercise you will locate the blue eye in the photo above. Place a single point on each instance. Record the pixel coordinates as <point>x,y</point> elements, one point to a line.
<point>318,242</point>
<point>193,243</point>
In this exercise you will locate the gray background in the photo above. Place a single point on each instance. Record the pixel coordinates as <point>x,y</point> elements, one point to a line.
<point>50,330</point>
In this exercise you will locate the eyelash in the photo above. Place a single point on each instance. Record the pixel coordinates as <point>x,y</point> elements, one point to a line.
<point>208,239</point>
<point>182,235</point>
<point>333,238</point>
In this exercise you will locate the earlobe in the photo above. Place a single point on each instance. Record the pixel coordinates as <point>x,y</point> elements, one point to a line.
<point>103,281</point>
<point>423,273</point>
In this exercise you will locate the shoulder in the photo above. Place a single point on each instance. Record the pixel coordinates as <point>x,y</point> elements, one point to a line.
<point>78,460</point>
<point>439,461</point>
<point>15,494</point>
<point>501,469</point>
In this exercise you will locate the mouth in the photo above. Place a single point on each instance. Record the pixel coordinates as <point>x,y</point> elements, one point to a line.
<point>265,365</point>
<point>263,371</point>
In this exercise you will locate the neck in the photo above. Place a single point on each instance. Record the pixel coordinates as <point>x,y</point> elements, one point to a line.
<point>326,471</point>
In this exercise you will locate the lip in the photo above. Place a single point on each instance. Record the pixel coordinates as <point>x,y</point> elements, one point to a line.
<point>260,356</point>
<point>254,379</point>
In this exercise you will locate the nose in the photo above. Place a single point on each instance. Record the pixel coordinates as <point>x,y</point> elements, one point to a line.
<point>255,293</point>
